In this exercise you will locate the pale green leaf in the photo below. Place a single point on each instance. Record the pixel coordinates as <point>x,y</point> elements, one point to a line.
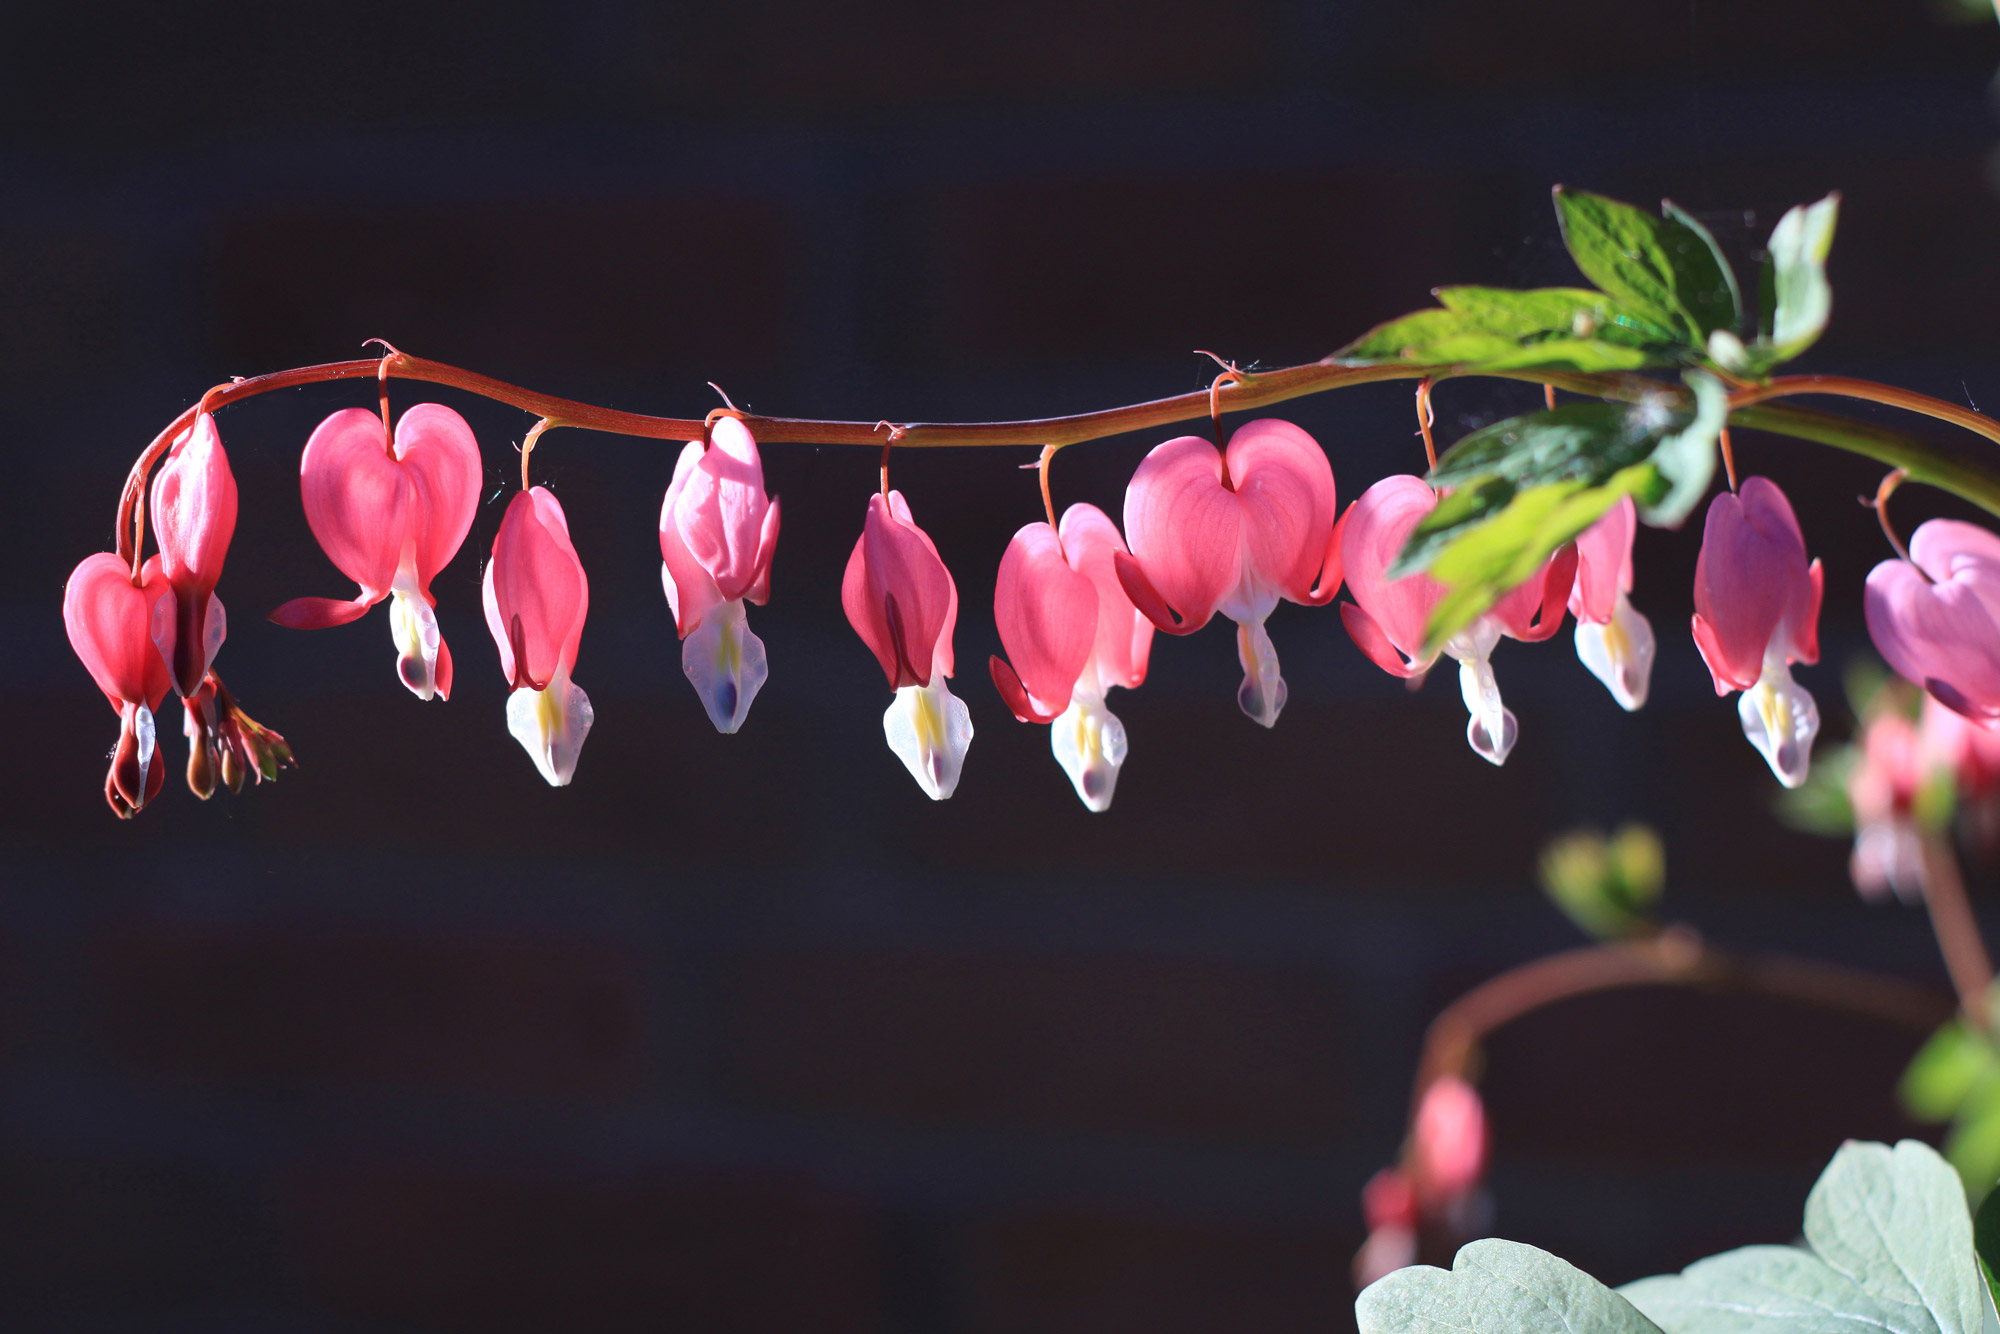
<point>1888,1249</point>
<point>1496,1287</point>
<point>1686,457</point>
<point>1801,297</point>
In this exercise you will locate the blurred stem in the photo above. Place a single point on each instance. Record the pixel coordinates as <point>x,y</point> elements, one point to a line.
<point>1924,461</point>
<point>1676,956</point>
<point>1958,937</point>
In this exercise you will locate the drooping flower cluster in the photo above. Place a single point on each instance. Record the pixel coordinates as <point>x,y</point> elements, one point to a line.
<point>1231,528</point>
<point>143,628</point>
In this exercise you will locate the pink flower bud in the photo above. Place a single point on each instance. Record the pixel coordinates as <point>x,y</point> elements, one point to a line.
<point>194,516</point>
<point>536,598</point>
<point>1448,1142</point>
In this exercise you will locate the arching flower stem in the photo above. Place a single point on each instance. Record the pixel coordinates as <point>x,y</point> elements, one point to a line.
<point>1924,461</point>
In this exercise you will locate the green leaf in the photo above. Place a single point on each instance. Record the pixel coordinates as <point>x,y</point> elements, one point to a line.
<point>1607,887</point>
<point>1888,1248</point>
<point>1986,1237</point>
<point>1666,269</point>
<point>1973,1146</point>
<point>1801,297</point>
<point>1709,284</point>
<point>1496,1287</point>
<point>1820,805</point>
<point>1520,488</point>
<point>1946,1071</point>
<point>1493,328</point>
<point>1685,460</point>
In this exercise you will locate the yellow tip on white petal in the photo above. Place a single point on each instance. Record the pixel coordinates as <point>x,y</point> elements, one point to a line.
<point>726,664</point>
<point>551,725</point>
<point>413,625</point>
<point>1089,743</point>
<point>929,729</point>
<point>1781,720</point>
<point>1619,653</point>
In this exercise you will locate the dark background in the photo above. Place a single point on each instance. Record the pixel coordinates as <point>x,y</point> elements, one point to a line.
<point>742,1032</point>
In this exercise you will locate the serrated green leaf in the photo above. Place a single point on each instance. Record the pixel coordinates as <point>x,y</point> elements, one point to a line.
<point>1505,551</point>
<point>1686,458</point>
<point>1662,268</point>
<point>1889,1248</point>
<point>1801,297</point>
<point>1496,1287</point>
<point>1520,488</point>
<point>1707,283</point>
<point>1492,328</point>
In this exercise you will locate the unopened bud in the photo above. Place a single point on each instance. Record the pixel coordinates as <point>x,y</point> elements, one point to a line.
<point>233,770</point>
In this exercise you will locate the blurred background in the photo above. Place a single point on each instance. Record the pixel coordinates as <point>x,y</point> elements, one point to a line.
<point>743,1033</point>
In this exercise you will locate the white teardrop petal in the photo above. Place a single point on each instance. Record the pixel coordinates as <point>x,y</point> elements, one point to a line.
<point>1781,720</point>
<point>1491,730</point>
<point>1262,694</point>
<point>929,729</point>
<point>726,664</point>
<point>1089,743</point>
<point>1619,653</point>
<point>551,725</point>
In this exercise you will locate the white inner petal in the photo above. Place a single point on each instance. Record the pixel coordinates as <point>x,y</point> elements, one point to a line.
<point>1089,743</point>
<point>413,625</point>
<point>726,664</point>
<point>1262,694</point>
<point>929,729</point>
<point>551,725</point>
<point>1491,730</point>
<point>1619,653</point>
<point>1781,720</point>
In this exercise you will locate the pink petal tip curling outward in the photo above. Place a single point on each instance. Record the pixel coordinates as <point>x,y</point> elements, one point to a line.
<point>390,517</point>
<point>1072,633</point>
<point>536,598</point>
<point>1233,532</point>
<point>1387,618</point>
<point>1938,621</point>
<point>1756,611</point>
<point>718,531</point>
<point>194,517</point>
<point>902,602</point>
<point>1613,639</point>
<point>124,634</point>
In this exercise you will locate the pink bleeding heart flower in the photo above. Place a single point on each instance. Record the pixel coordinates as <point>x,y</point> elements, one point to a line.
<point>1893,765</point>
<point>390,516</point>
<point>194,516</point>
<point>536,598</point>
<point>1387,617</point>
<point>1756,612</point>
<point>902,602</point>
<point>124,633</point>
<point>1448,1143</point>
<point>1613,639</point>
<point>1937,620</point>
<point>1072,634</point>
<point>717,534</point>
<point>1232,532</point>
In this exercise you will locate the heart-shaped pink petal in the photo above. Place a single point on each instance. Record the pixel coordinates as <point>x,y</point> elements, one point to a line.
<point>1185,531</point>
<point>441,458</point>
<point>1046,612</point>
<point>121,630</point>
<point>898,595</point>
<point>534,592</point>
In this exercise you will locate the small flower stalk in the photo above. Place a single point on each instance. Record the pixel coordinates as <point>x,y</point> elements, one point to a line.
<point>1071,634</point>
<point>1756,612</point>
<point>902,601</point>
<point>718,531</point>
<point>536,598</point>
